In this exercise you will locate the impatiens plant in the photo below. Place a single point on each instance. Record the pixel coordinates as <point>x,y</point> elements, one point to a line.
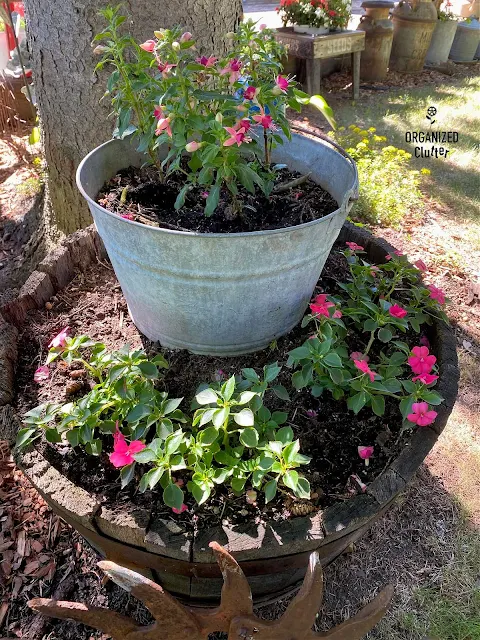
<point>382,303</point>
<point>231,439</point>
<point>213,120</point>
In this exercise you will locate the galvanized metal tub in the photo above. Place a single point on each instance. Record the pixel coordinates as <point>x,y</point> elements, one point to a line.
<point>441,41</point>
<point>222,294</point>
<point>467,39</point>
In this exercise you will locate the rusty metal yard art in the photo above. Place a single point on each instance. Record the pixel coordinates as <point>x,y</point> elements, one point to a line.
<point>234,615</point>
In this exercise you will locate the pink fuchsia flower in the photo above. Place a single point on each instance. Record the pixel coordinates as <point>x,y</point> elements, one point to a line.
<point>122,452</point>
<point>158,112</point>
<point>60,340</point>
<point>237,136</point>
<point>164,125</point>
<point>320,306</point>
<point>365,453</point>
<point>281,85</point>
<point>436,294</point>
<point>244,123</point>
<point>421,265</point>
<point>165,68</point>
<point>250,93</point>
<point>232,68</point>
<point>148,45</point>
<point>127,216</point>
<point>185,36</point>
<point>397,312</point>
<point>251,496</point>
<point>425,378</point>
<point>358,355</point>
<point>421,414</point>
<point>421,361</point>
<point>365,369</point>
<point>264,120</point>
<point>353,246</point>
<point>41,374</point>
<point>311,413</point>
<point>193,146</point>
<point>181,510</point>
<point>206,62</point>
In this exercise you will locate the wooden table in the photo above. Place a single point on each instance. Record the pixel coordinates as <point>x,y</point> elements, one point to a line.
<point>314,49</point>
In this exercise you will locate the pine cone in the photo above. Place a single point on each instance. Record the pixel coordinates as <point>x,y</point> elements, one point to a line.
<point>301,508</point>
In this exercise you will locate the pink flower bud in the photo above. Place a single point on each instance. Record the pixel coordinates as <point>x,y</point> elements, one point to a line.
<point>262,27</point>
<point>365,453</point>
<point>186,36</point>
<point>148,45</point>
<point>193,146</point>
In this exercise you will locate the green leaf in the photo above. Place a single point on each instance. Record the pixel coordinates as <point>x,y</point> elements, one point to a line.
<point>280,417</point>
<point>271,371</point>
<point>270,490</point>
<point>182,194</point>
<point>384,334</point>
<point>280,391</point>
<point>73,437</point>
<point>207,396</point>
<point>249,437</point>
<point>34,136</point>
<point>250,374</point>
<point>52,435</point>
<point>303,488</point>
<point>173,496</point>
<point>332,359</point>
<point>406,405</point>
<point>171,405</point>
<point>208,435</point>
<point>173,442</point>
<point>238,484</point>
<point>138,412</point>
<point>397,359</point>
<point>246,396</point>
<point>300,353</point>
<point>145,456</point>
<point>212,200</point>
<point>148,369</point>
<point>244,418</point>
<point>200,494</point>
<point>276,446</point>
<point>378,405</point>
<point>126,474</point>
<point>409,386</point>
<point>357,402</point>
<point>291,450</point>
<point>321,104</point>
<point>298,380</point>
<point>336,375</point>
<point>220,416</point>
<point>432,397</point>
<point>284,435</point>
<point>23,437</point>
<point>229,388</point>
<point>290,480</point>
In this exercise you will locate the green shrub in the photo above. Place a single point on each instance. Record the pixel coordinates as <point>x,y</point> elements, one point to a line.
<point>388,185</point>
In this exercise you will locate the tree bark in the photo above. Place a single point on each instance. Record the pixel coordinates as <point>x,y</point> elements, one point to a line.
<point>68,93</point>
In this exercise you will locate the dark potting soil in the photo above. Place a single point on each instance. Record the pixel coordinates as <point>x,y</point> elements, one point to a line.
<point>140,193</point>
<point>93,304</point>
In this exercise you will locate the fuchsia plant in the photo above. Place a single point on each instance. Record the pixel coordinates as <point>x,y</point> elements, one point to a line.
<point>216,121</point>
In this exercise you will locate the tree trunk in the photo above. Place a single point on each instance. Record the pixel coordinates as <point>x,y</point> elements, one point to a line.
<point>68,93</point>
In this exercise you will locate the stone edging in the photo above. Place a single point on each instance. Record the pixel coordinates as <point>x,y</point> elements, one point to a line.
<point>133,526</point>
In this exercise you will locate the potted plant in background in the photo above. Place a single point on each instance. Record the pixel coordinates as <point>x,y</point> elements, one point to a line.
<point>466,41</point>
<point>443,35</point>
<point>315,17</point>
<point>231,261</point>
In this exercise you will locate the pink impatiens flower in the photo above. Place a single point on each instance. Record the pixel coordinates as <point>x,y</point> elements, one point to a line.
<point>311,413</point>
<point>397,312</point>
<point>421,361</point>
<point>41,374</point>
<point>421,414</point>
<point>425,378</point>
<point>232,68</point>
<point>362,365</point>
<point>148,45</point>
<point>60,340</point>
<point>122,452</point>
<point>250,93</point>
<point>436,294</point>
<point>421,265</point>
<point>181,510</point>
<point>320,306</point>
<point>353,246</point>
<point>358,355</point>
<point>365,453</point>
<point>206,62</point>
<point>237,136</point>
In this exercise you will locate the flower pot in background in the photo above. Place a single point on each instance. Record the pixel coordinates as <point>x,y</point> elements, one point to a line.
<point>441,41</point>
<point>213,293</point>
<point>413,25</point>
<point>312,31</point>
<point>467,39</point>
<point>378,29</point>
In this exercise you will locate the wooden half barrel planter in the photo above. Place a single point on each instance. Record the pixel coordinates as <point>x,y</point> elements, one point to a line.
<point>273,555</point>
